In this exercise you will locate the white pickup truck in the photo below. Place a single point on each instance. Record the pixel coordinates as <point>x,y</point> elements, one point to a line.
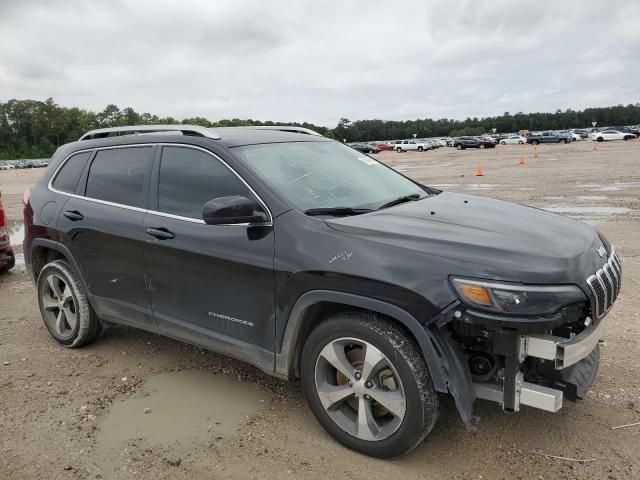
<point>409,145</point>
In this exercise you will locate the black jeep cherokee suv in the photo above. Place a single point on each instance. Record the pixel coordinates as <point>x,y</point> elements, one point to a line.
<point>312,261</point>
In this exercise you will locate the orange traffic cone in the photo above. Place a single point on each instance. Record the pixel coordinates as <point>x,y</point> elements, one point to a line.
<point>479,172</point>
<point>535,151</point>
<point>521,159</point>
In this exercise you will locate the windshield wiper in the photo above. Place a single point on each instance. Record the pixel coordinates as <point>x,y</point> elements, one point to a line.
<point>337,211</point>
<point>399,200</point>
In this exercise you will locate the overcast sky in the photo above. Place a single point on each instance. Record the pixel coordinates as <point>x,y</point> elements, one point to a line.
<point>319,61</point>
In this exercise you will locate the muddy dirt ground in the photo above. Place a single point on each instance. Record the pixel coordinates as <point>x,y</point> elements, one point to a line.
<point>135,405</point>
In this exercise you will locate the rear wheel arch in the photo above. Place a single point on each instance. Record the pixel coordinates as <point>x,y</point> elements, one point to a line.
<point>44,251</point>
<point>313,307</point>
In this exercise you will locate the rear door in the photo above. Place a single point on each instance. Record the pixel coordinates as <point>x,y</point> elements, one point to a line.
<point>101,224</point>
<point>211,284</point>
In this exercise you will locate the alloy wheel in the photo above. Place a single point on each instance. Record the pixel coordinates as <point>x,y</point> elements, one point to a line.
<point>360,389</point>
<point>60,309</point>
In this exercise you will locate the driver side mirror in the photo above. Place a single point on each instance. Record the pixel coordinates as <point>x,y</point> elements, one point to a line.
<point>231,210</point>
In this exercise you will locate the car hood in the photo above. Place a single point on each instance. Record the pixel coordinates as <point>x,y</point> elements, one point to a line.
<point>466,235</point>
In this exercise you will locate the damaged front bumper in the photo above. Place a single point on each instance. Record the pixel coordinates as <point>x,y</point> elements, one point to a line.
<point>565,366</point>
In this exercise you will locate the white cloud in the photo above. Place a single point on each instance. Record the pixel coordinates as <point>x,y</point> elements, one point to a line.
<point>321,61</point>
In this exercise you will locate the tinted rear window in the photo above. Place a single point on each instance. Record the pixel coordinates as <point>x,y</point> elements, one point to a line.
<point>118,175</point>
<point>67,178</point>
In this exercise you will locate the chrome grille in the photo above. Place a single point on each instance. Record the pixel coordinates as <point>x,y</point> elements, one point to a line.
<point>605,285</point>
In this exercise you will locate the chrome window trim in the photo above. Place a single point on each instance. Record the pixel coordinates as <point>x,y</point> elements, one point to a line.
<point>268,223</point>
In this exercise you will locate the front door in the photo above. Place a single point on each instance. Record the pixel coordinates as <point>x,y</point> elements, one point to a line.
<point>210,284</point>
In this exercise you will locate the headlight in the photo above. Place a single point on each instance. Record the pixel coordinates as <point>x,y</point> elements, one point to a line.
<point>516,299</point>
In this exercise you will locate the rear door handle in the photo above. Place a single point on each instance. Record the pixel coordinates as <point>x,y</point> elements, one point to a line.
<point>161,233</point>
<point>73,215</point>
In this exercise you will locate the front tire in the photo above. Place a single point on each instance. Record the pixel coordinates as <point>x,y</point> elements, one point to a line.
<point>459,147</point>
<point>482,146</point>
<point>368,385</point>
<point>600,139</point>
<point>64,306</point>
<point>420,149</point>
<point>534,142</point>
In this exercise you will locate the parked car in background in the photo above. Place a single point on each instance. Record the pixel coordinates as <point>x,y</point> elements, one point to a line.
<point>633,130</point>
<point>549,137</point>
<point>410,145</point>
<point>575,137</point>
<point>487,141</point>
<point>383,147</point>
<point>606,135</point>
<point>364,147</point>
<point>513,140</point>
<point>583,133</point>
<point>461,143</point>
<point>7,259</point>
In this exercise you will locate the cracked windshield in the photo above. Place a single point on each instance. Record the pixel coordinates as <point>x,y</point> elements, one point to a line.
<point>326,175</point>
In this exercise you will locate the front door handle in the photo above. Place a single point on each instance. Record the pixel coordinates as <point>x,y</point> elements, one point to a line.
<point>73,215</point>
<point>161,233</point>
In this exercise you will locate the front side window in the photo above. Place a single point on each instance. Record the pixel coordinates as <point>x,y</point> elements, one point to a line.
<point>326,175</point>
<point>117,175</point>
<point>189,178</point>
<point>67,178</point>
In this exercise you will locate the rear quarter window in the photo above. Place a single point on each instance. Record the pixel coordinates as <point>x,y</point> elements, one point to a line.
<point>119,176</point>
<point>66,180</point>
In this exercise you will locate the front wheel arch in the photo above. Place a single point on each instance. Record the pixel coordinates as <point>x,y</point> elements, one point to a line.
<point>312,307</point>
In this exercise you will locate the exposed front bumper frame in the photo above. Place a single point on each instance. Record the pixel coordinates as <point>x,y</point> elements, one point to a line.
<point>564,352</point>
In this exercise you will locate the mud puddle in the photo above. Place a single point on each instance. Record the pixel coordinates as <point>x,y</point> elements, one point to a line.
<point>610,187</point>
<point>482,186</point>
<point>588,214</point>
<point>592,198</point>
<point>180,405</point>
<point>176,410</point>
<point>588,210</point>
<point>15,229</point>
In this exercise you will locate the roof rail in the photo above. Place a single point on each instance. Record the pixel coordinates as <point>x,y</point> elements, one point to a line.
<point>194,130</point>
<point>283,128</point>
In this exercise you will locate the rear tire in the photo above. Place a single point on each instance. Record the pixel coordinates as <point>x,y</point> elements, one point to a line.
<point>64,306</point>
<point>459,147</point>
<point>534,142</point>
<point>420,149</point>
<point>504,143</point>
<point>377,363</point>
<point>600,139</point>
<point>482,146</point>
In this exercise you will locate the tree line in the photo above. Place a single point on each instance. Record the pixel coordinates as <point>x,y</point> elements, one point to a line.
<point>34,128</point>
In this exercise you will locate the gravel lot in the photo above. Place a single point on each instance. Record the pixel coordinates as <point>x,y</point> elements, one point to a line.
<point>135,405</point>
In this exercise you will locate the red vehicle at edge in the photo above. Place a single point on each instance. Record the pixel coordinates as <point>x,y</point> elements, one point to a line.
<point>384,146</point>
<point>7,260</point>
